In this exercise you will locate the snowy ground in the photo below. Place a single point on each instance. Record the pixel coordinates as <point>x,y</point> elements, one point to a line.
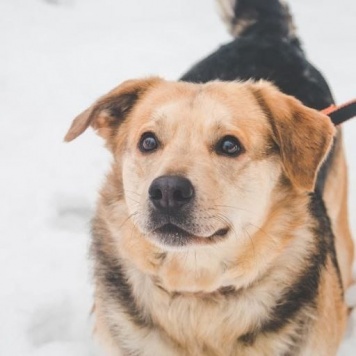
<point>57,56</point>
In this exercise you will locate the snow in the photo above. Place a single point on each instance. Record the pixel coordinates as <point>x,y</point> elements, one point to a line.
<point>57,56</point>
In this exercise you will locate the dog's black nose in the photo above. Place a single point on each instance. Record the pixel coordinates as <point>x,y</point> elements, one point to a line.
<point>171,192</point>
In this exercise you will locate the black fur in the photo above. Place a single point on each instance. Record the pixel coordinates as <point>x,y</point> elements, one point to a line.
<point>112,274</point>
<point>323,229</point>
<point>270,15</point>
<point>262,53</point>
<point>121,106</point>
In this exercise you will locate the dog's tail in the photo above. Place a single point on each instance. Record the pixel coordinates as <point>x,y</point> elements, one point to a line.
<point>264,16</point>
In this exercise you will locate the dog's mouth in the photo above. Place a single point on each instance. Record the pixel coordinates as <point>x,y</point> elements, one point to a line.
<point>173,235</point>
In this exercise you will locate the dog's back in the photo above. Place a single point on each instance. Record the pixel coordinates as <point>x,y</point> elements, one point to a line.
<point>265,47</point>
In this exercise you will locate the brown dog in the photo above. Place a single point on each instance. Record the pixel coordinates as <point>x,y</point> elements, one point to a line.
<point>208,238</point>
<point>222,227</point>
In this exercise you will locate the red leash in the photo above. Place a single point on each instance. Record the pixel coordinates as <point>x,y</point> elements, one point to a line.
<point>341,113</point>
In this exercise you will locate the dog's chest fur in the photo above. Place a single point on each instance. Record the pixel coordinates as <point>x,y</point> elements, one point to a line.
<point>217,323</point>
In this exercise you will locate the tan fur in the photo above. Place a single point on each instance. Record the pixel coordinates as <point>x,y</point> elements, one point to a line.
<point>294,127</point>
<point>335,196</point>
<point>201,299</point>
<point>331,321</point>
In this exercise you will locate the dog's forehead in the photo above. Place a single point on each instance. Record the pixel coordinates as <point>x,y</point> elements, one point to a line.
<point>195,110</point>
<point>203,106</point>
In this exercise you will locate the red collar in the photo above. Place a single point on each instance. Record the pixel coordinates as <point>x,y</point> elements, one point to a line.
<point>341,113</point>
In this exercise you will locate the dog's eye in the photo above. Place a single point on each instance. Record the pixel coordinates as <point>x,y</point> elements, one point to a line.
<point>148,142</point>
<point>230,146</point>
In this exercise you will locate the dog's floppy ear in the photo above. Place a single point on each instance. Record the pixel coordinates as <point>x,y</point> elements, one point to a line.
<point>111,109</point>
<point>304,135</point>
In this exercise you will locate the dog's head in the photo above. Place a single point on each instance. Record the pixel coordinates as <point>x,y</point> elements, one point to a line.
<point>200,163</point>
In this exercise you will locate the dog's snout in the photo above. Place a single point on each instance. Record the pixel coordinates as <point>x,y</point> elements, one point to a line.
<point>171,192</point>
